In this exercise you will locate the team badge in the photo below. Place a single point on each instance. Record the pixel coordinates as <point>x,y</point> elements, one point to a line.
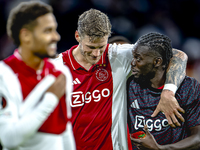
<point>102,74</point>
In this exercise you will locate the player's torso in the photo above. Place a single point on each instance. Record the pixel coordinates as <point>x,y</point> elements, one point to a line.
<point>91,104</point>
<point>28,79</point>
<point>92,91</point>
<point>141,105</point>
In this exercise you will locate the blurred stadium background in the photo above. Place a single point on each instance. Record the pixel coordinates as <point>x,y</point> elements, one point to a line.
<point>179,19</point>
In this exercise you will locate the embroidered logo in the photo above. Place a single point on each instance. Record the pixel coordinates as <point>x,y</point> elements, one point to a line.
<point>135,104</point>
<point>102,74</point>
<point>76,81</point>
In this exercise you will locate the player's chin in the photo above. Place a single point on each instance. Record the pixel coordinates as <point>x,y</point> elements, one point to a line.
<point>135,74</point>
<point>52,56</point>
<point>94,62</point>
<point>52,53</point>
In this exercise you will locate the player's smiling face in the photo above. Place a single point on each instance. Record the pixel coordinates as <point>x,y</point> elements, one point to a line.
<point>45,37</point>
<point>92,50</point>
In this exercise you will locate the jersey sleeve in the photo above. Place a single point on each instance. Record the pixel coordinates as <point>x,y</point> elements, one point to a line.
<point>193,104</point>
<point>123,54</point>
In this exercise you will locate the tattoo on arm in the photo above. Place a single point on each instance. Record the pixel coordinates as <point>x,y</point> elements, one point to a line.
<point>177,68</point>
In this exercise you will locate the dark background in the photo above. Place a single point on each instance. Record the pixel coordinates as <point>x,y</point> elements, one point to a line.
<point>179,19</point>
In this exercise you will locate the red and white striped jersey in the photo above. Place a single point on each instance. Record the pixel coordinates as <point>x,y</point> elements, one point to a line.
<point>99,109</point>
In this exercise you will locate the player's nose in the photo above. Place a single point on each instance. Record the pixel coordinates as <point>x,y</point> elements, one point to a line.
<point>96,52</point>
<point>133,62</point>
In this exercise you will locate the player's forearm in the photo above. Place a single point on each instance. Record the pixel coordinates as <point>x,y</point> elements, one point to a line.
<point>14,134</point>
<point>190,143</point>
<point>177,68</point>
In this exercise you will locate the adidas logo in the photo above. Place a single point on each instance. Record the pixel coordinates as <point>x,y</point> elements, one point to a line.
<point>76,81</point>
<point>135,104</point>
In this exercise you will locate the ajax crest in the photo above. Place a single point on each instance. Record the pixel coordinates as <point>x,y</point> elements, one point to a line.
<point>102,74</point>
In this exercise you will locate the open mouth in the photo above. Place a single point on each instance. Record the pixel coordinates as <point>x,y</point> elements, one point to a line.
<point>134,72</point>
<point>53,46</point>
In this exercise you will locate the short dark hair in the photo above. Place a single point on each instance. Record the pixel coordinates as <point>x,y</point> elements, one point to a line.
<point>24,16</point>
<point>94,24</point>
<point>159,43</point>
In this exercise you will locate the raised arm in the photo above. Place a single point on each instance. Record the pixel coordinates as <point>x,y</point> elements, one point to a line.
<point>175,74</point>
<point>177,68</point>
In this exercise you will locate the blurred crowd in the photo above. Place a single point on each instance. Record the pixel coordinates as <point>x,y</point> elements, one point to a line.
<point>179,19</point>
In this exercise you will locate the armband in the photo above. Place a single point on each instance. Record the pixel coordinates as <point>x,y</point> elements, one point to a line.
<point>171,87</point>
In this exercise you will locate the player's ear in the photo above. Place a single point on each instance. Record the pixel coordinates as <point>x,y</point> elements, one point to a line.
<point>77,37</point>
<point>25,35</point>
<point>158,61</point>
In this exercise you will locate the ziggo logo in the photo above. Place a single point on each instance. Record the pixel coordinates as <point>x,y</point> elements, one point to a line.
<point>151,124</point>
<point>79,98</point>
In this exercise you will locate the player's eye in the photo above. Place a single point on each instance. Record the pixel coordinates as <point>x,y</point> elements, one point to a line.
<point>137,58</point>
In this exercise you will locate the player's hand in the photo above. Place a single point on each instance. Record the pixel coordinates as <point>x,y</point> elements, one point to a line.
<point>170,107</point>
<point>148,142</point>
<point>59,86</point>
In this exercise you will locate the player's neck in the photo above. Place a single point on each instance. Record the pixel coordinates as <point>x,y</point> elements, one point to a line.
<point>80,58</point>
<point>158,80</point>
<point>31,60</point>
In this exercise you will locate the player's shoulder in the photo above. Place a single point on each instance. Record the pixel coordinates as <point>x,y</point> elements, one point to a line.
<point>10,60</point>
<point>188,89</point>
<point>66,56</point>
<point>121,47</point>
<point>65,53</point>
<point>188,92</point>
<point>7,64</point>
<point>131,84</point>
<point>3,67</point>
<point>58,60</point>
<point>130,80</point>
<point>58,64</point>
<point>190,81</point>
<point>51,67</point>
<point>120,50</point>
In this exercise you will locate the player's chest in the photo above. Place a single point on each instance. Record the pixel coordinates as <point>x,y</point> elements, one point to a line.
<point>28,82</point>
<point>29,79</point>
<point>92,86</point>
<point>143,117</point>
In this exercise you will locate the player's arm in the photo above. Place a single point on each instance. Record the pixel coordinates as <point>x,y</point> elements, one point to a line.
<point>175,75</point>
<point>192,142</point>
<point>18,130</point>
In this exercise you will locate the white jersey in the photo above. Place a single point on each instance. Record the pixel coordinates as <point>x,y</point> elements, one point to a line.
<point>99,106</point>
<point>30,119</point>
